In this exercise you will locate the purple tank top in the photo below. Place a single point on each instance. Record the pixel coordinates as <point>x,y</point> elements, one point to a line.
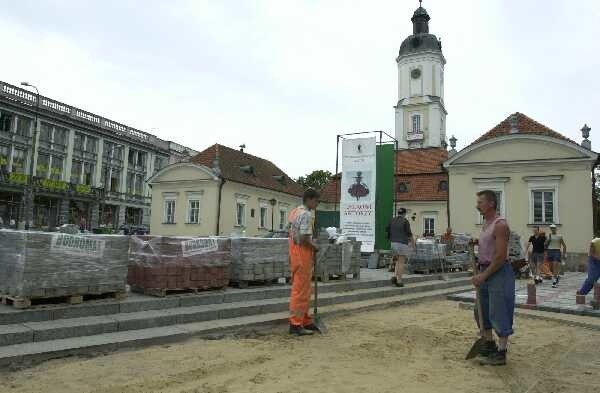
<point>487,242</point>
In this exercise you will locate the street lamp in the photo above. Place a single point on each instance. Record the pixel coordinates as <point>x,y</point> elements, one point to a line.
<point>29,198</point>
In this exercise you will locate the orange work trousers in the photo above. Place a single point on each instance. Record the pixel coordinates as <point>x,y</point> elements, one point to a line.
<point>301,264</point>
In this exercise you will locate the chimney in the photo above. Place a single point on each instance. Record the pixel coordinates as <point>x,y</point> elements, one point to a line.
<point>585,132</point>
<point>242,147</point>
<point>513,120</point>
<point>453,146</point>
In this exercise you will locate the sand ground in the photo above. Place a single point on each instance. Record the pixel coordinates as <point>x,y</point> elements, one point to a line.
<point>417,348</point>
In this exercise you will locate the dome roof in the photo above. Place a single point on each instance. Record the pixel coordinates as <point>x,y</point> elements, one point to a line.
<point>420,43</point>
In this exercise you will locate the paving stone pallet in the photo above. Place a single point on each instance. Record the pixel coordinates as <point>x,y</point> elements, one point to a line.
<point>41,265</point>
<point>19,302</point>
<point>338,260</point>
<point>159,264</point>
<point>259,260</point>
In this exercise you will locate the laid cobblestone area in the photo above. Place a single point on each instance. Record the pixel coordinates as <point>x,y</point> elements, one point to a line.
<point>561,299</point>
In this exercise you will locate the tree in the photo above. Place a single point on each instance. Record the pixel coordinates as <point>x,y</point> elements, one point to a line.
<point>317,179</point>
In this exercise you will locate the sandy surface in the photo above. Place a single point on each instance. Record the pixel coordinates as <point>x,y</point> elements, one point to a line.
<point>418,348</point>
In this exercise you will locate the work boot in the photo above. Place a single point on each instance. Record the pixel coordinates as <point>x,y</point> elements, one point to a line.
<point>496,358</point>
<point>488,348</point>
<point>300,331</point>
<point>312,327</point>
<point>396,282</point>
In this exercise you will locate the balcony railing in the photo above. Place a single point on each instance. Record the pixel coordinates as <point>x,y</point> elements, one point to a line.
<point>26,97</point>
<point>415,136</point>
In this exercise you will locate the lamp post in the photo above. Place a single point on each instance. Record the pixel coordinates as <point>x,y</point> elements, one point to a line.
<point>29,197</point>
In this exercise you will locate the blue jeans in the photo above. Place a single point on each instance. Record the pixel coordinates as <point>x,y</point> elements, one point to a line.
<point>497,297</point>
<point>593,272</point>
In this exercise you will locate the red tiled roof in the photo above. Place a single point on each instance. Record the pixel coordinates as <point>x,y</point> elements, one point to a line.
<point>264,171</point>
<point>422,187</point>
<point>330,193</point>
<point>524,125</point>
<point>419,161</point>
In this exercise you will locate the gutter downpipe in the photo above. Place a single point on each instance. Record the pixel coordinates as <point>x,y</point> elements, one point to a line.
<point>221,184</point>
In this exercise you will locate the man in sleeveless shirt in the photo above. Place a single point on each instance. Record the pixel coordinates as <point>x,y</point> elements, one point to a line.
<point>400,236</point>
<point>495,280</point>
<point>554,243</point>
<point>302,252</point>
<point>593,270</point>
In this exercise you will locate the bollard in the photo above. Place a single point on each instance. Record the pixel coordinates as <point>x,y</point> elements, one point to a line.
<point>531,294</point>
<point>579,299</point>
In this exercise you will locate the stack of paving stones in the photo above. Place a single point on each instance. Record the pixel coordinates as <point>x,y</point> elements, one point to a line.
<point>159,264</point>
<point>338,260</point>
<point>428,257</point>
<point>457,258</point>
<point>259,260</point>
<point>515,247</point>
<point>39,265</point>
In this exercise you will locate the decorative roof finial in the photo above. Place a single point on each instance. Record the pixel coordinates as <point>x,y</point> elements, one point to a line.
<point>420,1</point>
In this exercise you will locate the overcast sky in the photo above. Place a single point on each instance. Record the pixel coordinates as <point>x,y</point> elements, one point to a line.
<point>284,77</point>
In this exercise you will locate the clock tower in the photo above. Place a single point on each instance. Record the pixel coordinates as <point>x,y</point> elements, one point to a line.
<point>420,112</point>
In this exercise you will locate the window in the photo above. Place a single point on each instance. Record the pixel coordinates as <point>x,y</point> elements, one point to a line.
<point>76,170</point>
<point>159,163</point>
<point>78,142</point>
<point>46,132</point>
<point>130,182</point>
<point>169,211</point>
<point>24,126</point>
<point>263,217</point>
<point>6,121</point>
<point>88,173</point>
<point>404,187</point>
<point>60,136</point>
<point>416,123</point>
<point>56,168</point>
<point>91,144</point>
<point>443,186</point>
<point>240,214</point>
<point>282,219</point>
<point>43,165</point>
<point>139,184</point>
<point>543,207</point>
<point>131,157</point>
<point>18,164</point>
<point>115,180</point>
<point>4,158</point>
<point>193,211</point>
<point>429,226</point>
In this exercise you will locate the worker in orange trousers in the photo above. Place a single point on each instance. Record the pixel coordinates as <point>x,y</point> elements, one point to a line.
<point>302,254</point>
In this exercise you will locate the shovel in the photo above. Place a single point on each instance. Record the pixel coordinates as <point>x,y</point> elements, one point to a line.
<point>319,323</point>
<point>481,341</point>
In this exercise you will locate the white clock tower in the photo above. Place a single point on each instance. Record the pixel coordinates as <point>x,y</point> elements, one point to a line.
<point>420,112</point>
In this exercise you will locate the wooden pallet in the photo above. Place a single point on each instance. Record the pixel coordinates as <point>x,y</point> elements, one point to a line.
<point>256,283</point>
<point>340,277</point>
<point>23,302</point>
<point>163,292</point>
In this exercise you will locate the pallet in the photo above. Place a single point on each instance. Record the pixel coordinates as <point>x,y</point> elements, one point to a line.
<point>242,284</point>
<point>163,292</point>
<point>23,302</point>
<point>341,277</point>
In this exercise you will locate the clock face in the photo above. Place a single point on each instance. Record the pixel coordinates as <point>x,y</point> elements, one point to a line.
<point>415,73</point>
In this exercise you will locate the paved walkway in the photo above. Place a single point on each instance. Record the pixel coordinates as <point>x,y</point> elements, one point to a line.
<point>561,299</point>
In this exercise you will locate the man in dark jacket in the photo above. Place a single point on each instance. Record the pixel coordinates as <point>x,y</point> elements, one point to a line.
<point>403,242</point>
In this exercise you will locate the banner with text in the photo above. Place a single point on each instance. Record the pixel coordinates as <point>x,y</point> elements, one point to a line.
<point>357,202</point>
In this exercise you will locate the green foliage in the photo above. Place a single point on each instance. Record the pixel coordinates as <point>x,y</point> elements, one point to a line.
<point>316,179</point>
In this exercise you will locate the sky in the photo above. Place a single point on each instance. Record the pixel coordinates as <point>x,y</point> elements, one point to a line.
<point>285,77</point>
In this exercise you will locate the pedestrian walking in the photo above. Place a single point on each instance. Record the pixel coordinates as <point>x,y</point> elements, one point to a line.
<point>554,244</point>
<point>593,271</point>
<point>535,253</point>
<point>403,242</point>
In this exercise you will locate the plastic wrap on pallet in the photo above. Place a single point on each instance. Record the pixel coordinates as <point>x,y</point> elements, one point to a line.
<point>338,259</point>
<point>50,264</point>
<point>174,262</point>
<point>259,259</point>
<point>515,247</point>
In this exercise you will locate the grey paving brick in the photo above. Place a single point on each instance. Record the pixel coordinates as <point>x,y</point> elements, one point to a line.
<point>15,334</point>
<point>75,327</point>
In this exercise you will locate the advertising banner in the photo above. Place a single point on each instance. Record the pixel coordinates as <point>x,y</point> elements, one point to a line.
<point>357,202</point>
